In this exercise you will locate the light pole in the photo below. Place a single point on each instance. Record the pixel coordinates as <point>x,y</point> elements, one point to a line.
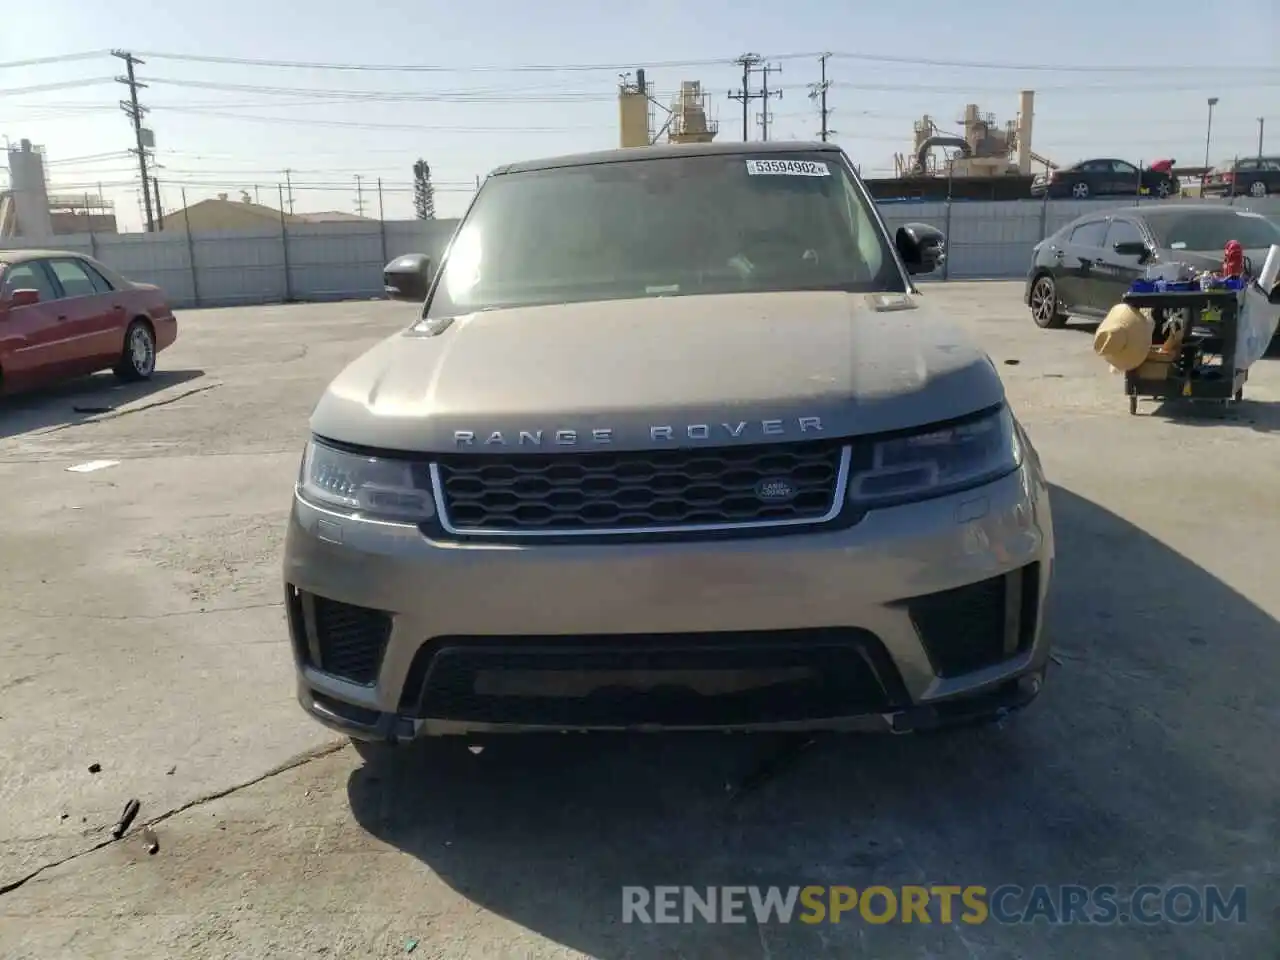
<point>1208,136</point>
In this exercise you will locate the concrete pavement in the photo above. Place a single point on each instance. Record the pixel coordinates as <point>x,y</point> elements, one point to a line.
<point>144,634</point>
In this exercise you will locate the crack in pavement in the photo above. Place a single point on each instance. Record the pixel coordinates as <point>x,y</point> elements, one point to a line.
<point>292,764</point>
<point>123,617</point>
<point>117,414</point>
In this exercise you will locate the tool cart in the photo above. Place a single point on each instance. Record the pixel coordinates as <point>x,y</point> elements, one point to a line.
<point>1196,362</point>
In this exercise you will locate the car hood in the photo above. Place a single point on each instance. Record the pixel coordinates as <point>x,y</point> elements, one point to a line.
<point>713,369</point>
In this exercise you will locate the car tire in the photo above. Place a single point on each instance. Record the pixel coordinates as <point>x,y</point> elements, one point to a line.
<point>1080,191</point>
<point>138,359</point>
<point>1257,189</point>
<point>1045,309</point>
<point>1164,190</point>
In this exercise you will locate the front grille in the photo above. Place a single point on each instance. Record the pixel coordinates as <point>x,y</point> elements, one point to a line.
<point>340,638</point>
<point>654,490</point>
<point>632,680</point>
<point>979,625</point>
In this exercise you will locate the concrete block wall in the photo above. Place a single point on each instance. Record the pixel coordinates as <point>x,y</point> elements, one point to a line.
<point>339,261</point>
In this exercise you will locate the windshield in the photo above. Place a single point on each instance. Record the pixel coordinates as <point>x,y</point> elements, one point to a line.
<point>668,227</point>
<point>1213,231</point>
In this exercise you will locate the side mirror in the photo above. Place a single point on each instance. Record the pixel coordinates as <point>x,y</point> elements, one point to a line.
<point>24,297</point>
<point>1133,248</point>
<point>408,277</point>
<point>923,248</point>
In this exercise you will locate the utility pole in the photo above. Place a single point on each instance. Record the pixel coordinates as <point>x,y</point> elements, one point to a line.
<point>359,198</point>
<point>1262,122</point>
<point>155,188</point>
<point>135,113</point>
<point>288,179</point>
<point>748,62</point>
<point>818,91</point>
<point>764,98</point>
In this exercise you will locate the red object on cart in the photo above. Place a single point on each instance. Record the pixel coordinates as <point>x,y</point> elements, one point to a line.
<point>1162,166</point>
<point>1233,259</point>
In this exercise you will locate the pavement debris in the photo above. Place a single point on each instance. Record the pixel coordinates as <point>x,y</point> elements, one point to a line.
<point>126,819</point>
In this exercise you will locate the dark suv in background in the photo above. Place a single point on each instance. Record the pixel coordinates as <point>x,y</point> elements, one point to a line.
<point>1252,177</point>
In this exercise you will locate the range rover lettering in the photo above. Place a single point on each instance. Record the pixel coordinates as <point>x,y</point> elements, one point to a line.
<point>675,443</point>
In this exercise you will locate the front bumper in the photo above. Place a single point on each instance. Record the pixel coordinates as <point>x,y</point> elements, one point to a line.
<point>917,615</point>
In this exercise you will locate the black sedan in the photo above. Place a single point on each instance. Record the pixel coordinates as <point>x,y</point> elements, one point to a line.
<point>1106,177</point>
<point>1085,268</point>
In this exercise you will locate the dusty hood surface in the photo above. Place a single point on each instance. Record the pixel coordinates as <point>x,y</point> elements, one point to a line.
<point>639,374</point>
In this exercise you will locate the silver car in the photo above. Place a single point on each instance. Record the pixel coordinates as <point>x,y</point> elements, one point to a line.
<point>675,444</point>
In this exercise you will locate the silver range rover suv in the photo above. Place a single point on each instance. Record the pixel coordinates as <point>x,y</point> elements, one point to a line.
<point>674,444</point>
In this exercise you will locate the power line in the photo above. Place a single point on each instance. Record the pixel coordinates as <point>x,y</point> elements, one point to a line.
<point>436,68</point>
<point>531,95</point>
<point>223,184</point>
<point>525,95</point>
<point>371,125</point>
<point>89,158</point>
<point>961,90</point>
<point>1041,67</point>
<point>135,112</point>
<point>482,95</point>
<point>60,58</point>
<point>60,85</point>
<point>221,108</point>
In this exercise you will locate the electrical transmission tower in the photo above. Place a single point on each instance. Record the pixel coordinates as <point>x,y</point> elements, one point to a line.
<point>818,92</point>
<point>141,136</point>
<point>359,197</point>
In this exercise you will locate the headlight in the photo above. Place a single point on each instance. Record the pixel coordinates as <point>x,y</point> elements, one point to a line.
<point>937,462</point>
<point>365,487</point>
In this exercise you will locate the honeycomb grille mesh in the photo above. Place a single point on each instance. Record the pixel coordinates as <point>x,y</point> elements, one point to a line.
<point>351,639</point>
<point>635,491</point>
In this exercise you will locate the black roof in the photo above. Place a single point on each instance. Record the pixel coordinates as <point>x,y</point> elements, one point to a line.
<point>667,150</point>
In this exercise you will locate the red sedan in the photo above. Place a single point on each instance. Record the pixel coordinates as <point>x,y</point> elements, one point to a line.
<point>65,315</point>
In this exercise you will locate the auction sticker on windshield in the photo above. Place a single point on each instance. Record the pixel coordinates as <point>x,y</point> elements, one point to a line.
<point>788,168</point>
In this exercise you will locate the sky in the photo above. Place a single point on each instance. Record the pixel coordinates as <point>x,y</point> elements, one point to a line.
<point>1111,80</point>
